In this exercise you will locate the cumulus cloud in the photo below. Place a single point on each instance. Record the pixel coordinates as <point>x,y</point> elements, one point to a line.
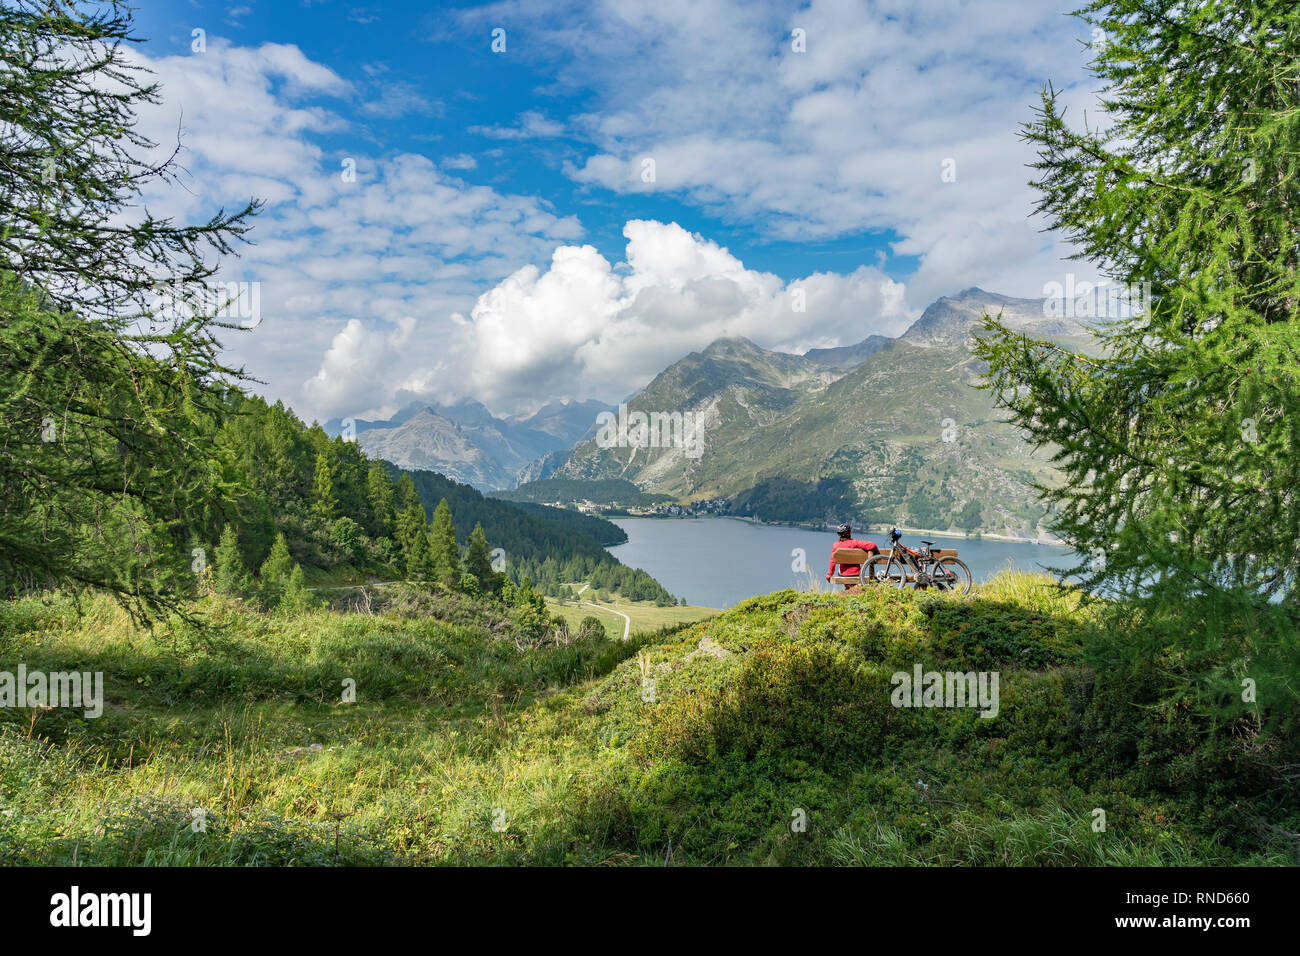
<point>350,246</point>
<point>353,373</point>
<point>583,327</point>
<point>408,280</point>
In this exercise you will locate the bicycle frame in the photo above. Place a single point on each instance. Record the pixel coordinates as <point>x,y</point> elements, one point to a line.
<point>918,562</point>
<point>906,557</point>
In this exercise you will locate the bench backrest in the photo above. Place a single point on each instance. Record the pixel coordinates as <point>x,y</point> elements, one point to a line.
<point>852,556</point>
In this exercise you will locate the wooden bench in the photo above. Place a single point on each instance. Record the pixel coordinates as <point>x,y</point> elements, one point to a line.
<point>860,557</point>
<point>852,556</point>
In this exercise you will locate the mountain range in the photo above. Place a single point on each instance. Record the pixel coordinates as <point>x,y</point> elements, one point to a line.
<point>891,430</point>
<point>466,442</point>
<point>887,430</point>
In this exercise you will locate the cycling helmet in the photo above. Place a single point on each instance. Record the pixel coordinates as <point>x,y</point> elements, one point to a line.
<point>844,531</point>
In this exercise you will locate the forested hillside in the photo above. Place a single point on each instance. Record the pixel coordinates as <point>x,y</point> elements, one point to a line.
<point>603,532</point>
<point>549,546</point>
<point>613,492</point>
<point>341,517</point>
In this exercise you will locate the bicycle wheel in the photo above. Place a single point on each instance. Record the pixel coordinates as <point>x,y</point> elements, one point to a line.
<point>951,574</point>
<point>876,571</point>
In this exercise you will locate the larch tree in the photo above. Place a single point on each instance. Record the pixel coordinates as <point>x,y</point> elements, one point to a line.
<point>446,553</point>
<point>109,354</point>
<point>1179,441</point>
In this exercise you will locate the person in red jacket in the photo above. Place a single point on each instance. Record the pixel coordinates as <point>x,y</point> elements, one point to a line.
<point>847,541</point>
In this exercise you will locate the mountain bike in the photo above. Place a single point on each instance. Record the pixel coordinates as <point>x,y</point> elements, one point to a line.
<point>903,566</point>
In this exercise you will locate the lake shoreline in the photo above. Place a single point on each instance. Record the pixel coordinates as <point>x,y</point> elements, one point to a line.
<point>868,529</point>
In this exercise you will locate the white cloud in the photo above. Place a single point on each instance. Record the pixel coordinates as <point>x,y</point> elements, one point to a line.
<point>401,99</point>
<point>353,371</point>
<point>366,285</point>
<point>341,264</point>
<point>585,328</point>
<point>848,136</point>
<point>532,125</point>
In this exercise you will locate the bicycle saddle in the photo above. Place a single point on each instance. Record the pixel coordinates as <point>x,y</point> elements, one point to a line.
<point>928,544</point>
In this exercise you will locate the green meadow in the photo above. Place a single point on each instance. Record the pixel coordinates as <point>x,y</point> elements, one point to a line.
<point>762,735</point>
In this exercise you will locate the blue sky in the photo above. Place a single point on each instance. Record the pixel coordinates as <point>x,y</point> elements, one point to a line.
<point>821,173</point>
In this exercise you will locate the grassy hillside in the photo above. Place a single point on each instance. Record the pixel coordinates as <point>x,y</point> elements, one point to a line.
<point>641,616</point>
<point>469,744</point>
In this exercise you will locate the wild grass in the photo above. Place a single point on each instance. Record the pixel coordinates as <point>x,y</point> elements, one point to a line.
<point>232,743</point>
<point>1052,836</point>
<point>645,616</point>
